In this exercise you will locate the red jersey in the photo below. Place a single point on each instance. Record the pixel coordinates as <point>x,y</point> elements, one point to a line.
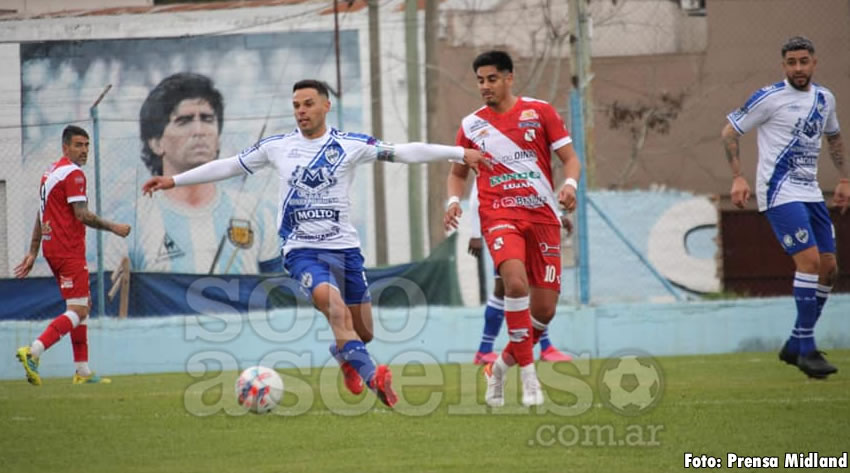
<point>62,235</point>
<point>520,142</point>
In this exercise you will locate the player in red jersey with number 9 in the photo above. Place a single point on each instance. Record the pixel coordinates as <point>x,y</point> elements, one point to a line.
<point>61,224</point>
<point>518,210</point>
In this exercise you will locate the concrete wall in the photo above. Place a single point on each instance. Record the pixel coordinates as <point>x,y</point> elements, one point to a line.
<point>36,7</point>
<point>428,335</point>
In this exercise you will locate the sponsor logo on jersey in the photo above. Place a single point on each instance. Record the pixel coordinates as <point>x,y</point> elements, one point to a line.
<point>518,157</point>
<point>240,234</point>
<point>168,250</point>
<point>477,125</point>
<point>517,185</point>
<point>513,176</point>
<point>313,215</point>
<point>530,135</point>
<point>530,125</point>
<point>312,180</point>
<point>529,114</point>
<point>802,235</point>
<point>501,226</point>
<point>525,201</point>
<point>550,250</point>
<point>331,234</point>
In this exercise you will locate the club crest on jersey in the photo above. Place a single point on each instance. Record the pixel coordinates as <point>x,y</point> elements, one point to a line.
<point>332,154</point>
<point>530,134</point>
<point>240,234</point>
<point>529,114</point>
<point>788,241</point>
<point>312,180</point>
<point>802,235</point>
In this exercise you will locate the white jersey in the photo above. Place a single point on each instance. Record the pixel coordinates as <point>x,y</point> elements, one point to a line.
<point>791,124</point>
<point>315,177</point>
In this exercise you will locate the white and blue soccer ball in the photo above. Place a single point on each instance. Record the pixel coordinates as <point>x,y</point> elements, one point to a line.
<point>259,389</point>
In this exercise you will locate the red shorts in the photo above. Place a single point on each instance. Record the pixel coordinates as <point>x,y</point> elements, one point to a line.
<point>72,276</point>
<point>537,245</point>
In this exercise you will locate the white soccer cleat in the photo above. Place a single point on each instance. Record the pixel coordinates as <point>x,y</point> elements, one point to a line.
<point>495,396</point>
<point>532,393</point>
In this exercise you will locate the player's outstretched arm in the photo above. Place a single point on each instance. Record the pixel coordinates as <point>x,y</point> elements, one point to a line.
<point>455,184</point>
<point>740,187</point>
<point>25,267</point>
<point>412,153</point>
<point>89,219</point>
<point>841,197</point>
<point>572,172</point>
<point>212,171</point>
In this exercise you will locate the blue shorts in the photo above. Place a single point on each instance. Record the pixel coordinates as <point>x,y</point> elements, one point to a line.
<point>342,269</point>
<point>802,225</point>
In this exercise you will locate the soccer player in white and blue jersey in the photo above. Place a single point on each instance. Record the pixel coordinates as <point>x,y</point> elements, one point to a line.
<point>792,117</point>
<point>321,248</point>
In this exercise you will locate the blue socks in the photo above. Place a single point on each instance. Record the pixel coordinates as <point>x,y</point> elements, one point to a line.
<point>493,317</point>
<point>822,294</point>
<point>355,353</point>
<point>805,289</point>
<point>544,340</point>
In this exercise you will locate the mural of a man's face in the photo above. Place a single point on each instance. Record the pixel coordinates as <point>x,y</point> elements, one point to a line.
<point>189,139</point>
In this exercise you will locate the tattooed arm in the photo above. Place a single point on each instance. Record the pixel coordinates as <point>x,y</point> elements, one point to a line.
<point>740,187</point>
<point>841,198</point>
<point>89,219</point>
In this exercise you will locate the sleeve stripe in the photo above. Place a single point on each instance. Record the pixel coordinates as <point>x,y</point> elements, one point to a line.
<point>734,125</point>
<point>77,198</point>
<point>244,166</point>
<point>562,142</point>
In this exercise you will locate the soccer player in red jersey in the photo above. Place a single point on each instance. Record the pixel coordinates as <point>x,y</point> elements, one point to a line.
<point>60,224</point>
<point>518,210</point>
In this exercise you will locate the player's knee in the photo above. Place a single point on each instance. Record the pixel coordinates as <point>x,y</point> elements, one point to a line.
<point>366,336</point>
<point>808,264</point>
<point>515,286</point>
<point>543,313</point>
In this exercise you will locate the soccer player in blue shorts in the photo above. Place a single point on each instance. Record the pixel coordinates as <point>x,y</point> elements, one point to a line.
<point>321,248</point>
<point>792,116</point>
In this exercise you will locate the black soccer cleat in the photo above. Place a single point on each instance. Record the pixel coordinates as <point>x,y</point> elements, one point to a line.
<point>815,365</point>
<point>788,356</point>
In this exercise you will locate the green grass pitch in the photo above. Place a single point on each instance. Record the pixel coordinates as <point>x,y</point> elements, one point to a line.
<point>748,403</point>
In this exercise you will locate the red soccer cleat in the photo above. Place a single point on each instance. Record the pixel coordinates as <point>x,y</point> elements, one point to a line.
<point>484,358</point>
<point>553,355</point>
<point>382,385</point>
<point>351,378</point>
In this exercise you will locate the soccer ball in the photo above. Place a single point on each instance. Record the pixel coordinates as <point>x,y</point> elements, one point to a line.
<point>259,389</point>
<point>631,384</point>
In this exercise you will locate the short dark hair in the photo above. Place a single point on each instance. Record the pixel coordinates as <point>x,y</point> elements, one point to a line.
<point>798,43</point>
<point>500,59</point>
<point>160,103</point>
<point>320,86</point>
<point>71,131</point>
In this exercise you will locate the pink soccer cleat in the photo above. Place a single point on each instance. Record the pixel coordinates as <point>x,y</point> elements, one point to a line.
<point>382,385</point>
<point>553,355</point>
<point>484,358</point>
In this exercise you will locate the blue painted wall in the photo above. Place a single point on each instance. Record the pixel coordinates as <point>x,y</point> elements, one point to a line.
<point>428,335</point>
